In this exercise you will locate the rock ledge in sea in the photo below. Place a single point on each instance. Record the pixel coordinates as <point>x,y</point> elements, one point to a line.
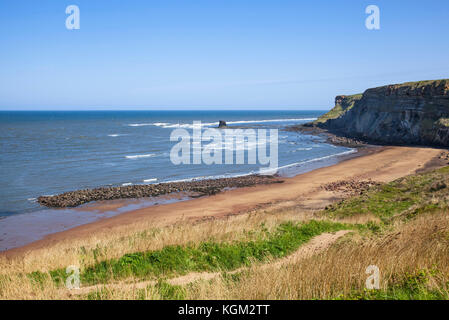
<point>199,187</point>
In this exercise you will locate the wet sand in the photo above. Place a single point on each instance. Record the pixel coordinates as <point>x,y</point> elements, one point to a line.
<point>382,164</point>
<point>21,229</point>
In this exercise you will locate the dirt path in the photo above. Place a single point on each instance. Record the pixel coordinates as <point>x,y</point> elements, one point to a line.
<point>316,245</point>
<point>381,164</point>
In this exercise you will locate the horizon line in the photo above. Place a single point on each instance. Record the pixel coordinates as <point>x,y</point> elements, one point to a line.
<point>87,110</point>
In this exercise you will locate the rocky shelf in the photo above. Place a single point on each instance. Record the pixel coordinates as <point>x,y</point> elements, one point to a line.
<point>199,187</point>
<point>412,113</point>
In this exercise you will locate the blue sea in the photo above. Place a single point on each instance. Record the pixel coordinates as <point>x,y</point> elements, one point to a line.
<point>50,152</point>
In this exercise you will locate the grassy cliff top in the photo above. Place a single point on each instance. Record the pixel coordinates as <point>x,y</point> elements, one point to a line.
<point>423,83</point>
<point>345,103</point>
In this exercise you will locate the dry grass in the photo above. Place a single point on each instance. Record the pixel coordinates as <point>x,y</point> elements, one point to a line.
<point>133,238</point>
<point>144,237</point>
<point>337,272</point>
<point>422,244</point>
<point>410,243</point>
<point>148,236</point>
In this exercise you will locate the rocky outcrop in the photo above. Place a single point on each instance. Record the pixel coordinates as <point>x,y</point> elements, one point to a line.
<point>222,124</point>
<point>342,105</point>
<point>408,113</point>
<point>196,187</point>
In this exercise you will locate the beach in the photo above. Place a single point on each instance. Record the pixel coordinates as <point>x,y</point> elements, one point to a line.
<point>96,165</point>
<point>307,190</point>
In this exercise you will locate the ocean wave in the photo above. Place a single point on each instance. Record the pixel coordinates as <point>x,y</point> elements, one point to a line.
<point>167,125</point>
<point>138,156</point>
<point>183,125</point>
<point>301,149</point>
<point>220,176</point>
<point>274,170</point>
<point>140,124</point>
<point>265,171</point>
<point>116,135</point>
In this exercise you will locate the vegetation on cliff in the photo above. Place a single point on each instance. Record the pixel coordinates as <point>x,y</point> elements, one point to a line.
<point>408,113</point>
<point>342,105</point>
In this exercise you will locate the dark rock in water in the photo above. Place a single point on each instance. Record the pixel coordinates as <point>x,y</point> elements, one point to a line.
<point>197,187</point>
<point>222,124</point>
<point>399,114</point>
<point>335,139</point>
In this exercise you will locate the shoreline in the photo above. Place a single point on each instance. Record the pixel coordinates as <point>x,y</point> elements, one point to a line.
<point>24,229</point>
<point>381,164</point>
<point>196,186</point>
<point>193,188</point>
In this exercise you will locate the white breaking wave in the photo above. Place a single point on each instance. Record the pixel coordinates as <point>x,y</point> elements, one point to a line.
<point>214,124</point>
<point>138,156</point>
<point>301,149</point>
<point>265,171</point>
<point>319,159</point>
<point>126,184</point>
<point>140,124</point>
<point>115,135</point>
<point>183,125</point>
<point>269,120</point>
<point>220,176</point>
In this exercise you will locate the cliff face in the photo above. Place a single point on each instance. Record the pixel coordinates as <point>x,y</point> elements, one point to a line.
<point>408,113</point>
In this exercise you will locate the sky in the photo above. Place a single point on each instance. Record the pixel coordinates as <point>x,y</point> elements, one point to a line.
<point>214,54</point>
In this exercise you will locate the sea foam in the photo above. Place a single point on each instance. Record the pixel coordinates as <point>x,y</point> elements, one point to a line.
<point>167,125</point>
<point>138,156</point>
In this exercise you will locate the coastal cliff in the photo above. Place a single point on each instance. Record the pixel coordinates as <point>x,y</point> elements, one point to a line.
<point>408,113</point>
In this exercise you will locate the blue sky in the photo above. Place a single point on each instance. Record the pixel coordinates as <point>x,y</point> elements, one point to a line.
<point>215,54</point>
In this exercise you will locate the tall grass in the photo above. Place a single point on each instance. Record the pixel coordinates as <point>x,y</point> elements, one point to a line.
<point>205,256</point>
<point>413,262</point>
<point>408,241</point>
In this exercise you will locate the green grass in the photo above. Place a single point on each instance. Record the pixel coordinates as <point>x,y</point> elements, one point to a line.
<point>384,201</point>
<point>388,200</point>
<point>206,256</point>
<point>339,109</point>
<point>420,84</point>
<point>415,194</point>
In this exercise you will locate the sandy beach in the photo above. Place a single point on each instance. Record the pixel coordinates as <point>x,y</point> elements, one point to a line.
<point>380,164</point>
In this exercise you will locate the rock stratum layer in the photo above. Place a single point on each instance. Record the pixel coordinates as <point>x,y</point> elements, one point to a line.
<point>408,113</point>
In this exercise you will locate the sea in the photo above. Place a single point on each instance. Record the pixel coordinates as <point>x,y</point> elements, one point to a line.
<point>51,152</point>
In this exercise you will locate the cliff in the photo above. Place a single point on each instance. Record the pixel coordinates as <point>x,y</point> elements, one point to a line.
<point>342,104</point>
<point>408,113</point>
